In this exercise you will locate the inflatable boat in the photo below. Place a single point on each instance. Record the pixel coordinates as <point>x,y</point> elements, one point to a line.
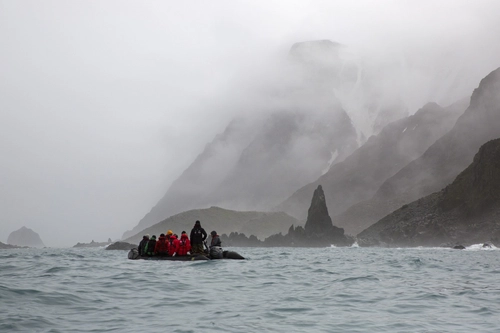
<point>214,254</point>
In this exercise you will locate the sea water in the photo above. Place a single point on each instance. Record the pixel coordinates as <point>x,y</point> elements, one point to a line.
<point>274,290</point>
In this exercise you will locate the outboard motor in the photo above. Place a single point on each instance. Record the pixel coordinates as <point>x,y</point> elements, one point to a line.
<point>216,252</point>
<point>133,254</point>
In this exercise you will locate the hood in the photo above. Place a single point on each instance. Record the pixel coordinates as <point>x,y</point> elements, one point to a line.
<point>184,236</point>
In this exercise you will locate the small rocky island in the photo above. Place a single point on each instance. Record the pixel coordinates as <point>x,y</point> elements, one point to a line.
<point>25,237</point>
<point>93,244</point>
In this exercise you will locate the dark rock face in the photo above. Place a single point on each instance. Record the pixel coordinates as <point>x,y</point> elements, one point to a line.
<point>442,162</point>
<point>359,176</point>
<point>240,239</point>
<point>465,212</point>
<point>25,237</point>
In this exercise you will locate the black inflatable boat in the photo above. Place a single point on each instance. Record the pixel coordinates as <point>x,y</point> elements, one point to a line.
<point>215,254</point>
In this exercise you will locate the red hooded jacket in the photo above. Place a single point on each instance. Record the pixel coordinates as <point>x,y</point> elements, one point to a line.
<point>184,245</point>
<point>162,246</point>
<point>173,246</point>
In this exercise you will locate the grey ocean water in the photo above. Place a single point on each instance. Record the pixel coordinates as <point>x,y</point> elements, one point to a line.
<point>275,290</point>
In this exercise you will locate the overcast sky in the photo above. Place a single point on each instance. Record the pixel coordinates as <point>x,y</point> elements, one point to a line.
<point>104,103</point>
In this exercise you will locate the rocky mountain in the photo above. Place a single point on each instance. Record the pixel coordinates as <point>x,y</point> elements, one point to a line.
<point>223,221</point>
<point>465,212</point>
<point>440,163</point>
<point>359,176</point>
<point>25,237</point>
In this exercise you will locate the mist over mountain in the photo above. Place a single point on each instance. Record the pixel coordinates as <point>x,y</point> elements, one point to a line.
<point>358,177</point>
<point>465,212</point>
<point>441,163</point>
<point>355,82</point>
<point>322,104</point>
<point>259,159</point>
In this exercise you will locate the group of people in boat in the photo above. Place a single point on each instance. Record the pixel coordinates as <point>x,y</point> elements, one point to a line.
<point>171,245</point>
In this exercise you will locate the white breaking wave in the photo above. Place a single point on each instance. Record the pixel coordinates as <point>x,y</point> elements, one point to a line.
<point>481,247</point>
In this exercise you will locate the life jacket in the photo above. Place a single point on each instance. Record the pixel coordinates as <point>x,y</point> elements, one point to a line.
<point>149,249</point>
<point>161,246</point>
<point>215,241</point>
<point>184,245</point>
<point>173,246</point>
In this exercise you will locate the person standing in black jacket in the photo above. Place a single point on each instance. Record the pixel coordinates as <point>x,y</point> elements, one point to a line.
<point>197,237</point>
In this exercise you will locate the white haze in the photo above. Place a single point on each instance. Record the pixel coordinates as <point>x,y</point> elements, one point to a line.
<point>104,103</point>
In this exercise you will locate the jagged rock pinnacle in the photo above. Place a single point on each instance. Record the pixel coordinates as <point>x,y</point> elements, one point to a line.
<point>318,220</point>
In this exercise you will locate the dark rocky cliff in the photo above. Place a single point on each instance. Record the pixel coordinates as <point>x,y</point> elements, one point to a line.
<point>25,237</point>
<point>465,212</point>
<point>441,163</point>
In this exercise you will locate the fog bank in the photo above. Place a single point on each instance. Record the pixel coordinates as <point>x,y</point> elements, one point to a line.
<point>104,104</point>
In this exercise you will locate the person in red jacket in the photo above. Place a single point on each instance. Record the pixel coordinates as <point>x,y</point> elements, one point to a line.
<point>184,245</point>
<point>173,246</point>
<point>162,246</point>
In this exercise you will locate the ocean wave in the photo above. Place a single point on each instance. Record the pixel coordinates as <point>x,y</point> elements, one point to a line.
<point>279,290</point>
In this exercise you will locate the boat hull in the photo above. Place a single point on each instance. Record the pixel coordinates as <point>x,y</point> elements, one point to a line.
<point>134,255</point>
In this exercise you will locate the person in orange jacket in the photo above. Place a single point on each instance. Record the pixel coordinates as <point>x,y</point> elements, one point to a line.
<point>184,245</point>
<point>174,246</point>
<point>162,246</point>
